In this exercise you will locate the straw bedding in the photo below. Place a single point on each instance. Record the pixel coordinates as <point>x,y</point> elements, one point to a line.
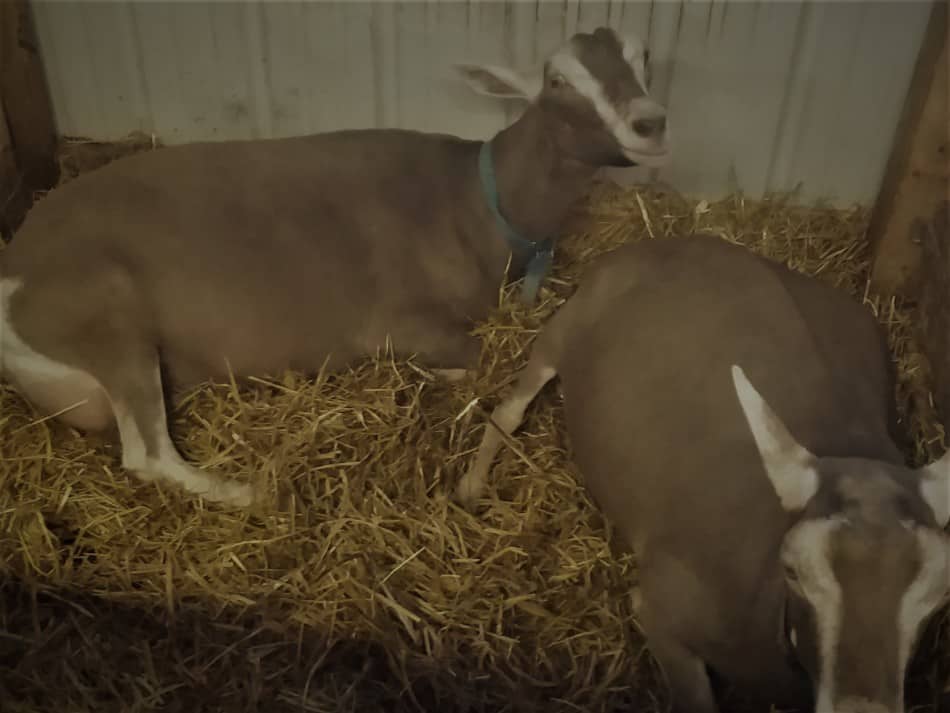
<point>356,584</point>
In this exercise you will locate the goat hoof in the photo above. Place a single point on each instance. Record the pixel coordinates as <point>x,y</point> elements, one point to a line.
<point>236,494</point>
<point>468,491</point>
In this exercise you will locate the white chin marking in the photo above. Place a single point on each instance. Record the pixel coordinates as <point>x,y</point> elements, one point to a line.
<point>648,160</point>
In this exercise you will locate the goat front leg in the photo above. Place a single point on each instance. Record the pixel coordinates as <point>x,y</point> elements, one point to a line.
<point>663,607</point>
<point>685,674</point>
<point>507,416</point>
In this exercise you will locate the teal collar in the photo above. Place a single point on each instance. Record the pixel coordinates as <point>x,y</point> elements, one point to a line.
<point>541,251</point>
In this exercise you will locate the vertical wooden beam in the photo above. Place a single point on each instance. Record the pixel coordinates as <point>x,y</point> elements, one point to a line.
<point>915,181</point>
<point>910,225</point>
<point>13,200</point>
<point>27,108</point>
<point>934,302</point>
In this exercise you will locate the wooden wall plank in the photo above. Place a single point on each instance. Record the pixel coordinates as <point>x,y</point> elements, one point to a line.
<point>915,181</point>
<point>910,229</point>
<point>934,304</point>
<point>27,109</point>
<point>12,193</point>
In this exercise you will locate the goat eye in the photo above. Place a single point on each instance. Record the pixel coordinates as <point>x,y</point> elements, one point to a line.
<point>790,574</point>
<point>556,81</point>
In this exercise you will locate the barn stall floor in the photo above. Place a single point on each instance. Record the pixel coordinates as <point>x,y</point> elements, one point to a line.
<point>356,585</point>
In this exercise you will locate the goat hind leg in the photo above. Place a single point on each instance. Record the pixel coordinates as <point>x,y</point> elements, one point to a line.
<point>686,677</point>
<point>660,610</point>
<point>134,388</point>
<point>546,354</point>
<point>90,323</point>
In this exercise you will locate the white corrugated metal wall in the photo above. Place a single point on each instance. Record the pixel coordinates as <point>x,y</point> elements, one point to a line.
<point>762,95</point>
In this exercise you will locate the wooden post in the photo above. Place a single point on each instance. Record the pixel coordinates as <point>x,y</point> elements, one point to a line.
<point>909,231</point>
<point>29,128</point>
<point>934,302</point>
<point>915,182</point>
<point>13,199</point>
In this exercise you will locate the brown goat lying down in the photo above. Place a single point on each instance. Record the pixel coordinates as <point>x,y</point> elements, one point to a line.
<point>733,420</point>
<point>258,256</point>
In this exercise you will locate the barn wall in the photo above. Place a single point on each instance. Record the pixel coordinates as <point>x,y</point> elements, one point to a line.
<point>762,95</point>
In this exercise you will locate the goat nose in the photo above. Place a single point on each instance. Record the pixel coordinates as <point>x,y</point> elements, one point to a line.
<point>651,127</point>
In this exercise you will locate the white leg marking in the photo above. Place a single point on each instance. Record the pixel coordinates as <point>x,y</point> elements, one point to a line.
<point>924,596</point>
<point>508,415</point>
<point>54,386</point>
<point>168,464</point>
<point>16,357</point>
<point>34,373</point>
<point>807,551</point>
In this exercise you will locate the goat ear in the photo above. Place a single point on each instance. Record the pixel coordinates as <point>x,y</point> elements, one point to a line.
<point>500,82</point>
<point>789,466</point>
<point>935,488</point>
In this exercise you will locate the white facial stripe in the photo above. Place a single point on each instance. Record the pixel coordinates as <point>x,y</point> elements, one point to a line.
<point>574,71</point>
<point>634,53</point>
<point>808,548</point>
<point>583,81</point>
<point>927,592</point>
<point>935,488</point>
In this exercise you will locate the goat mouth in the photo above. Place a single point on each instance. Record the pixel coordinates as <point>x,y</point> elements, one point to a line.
<point>651,159</point>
